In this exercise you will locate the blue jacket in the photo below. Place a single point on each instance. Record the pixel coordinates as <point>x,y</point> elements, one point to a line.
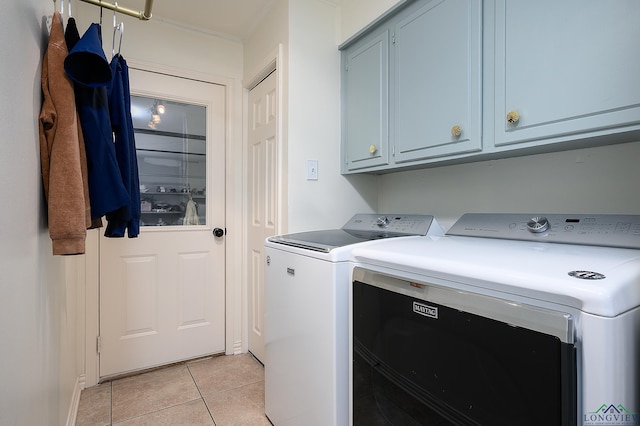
<point>127,216</point>
<point>106,189</point>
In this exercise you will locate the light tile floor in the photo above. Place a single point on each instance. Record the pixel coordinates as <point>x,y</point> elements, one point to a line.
<point>223,390</point>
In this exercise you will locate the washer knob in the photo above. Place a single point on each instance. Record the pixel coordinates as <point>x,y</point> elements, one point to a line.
<point>382,221</point>
<point>538,224</point>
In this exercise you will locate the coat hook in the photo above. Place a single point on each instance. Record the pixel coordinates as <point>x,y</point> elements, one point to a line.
<point>115,29</point>
<point>121,34</point>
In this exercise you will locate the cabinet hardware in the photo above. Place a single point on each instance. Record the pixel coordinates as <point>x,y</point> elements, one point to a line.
<point>513,117</point>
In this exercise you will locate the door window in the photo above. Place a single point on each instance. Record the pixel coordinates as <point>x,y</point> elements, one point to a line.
<point>171,149</point>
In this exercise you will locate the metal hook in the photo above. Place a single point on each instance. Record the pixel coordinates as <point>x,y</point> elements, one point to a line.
<point>115,29</point>
<point>49,21</point>
<point>121,34</point>
<point>69,8</point>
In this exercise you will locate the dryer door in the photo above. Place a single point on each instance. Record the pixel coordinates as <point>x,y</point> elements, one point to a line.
<point>418,360</point>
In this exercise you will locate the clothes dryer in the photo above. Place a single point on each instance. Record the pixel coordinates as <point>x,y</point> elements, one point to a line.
<point>508,319</point>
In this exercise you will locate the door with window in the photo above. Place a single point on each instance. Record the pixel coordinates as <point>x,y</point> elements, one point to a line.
<point>162,294</point>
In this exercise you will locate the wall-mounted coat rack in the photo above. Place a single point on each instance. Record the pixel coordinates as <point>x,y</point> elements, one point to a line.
<point>143,15</point>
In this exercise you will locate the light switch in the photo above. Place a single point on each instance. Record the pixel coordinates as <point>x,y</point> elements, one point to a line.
<point>312,169</point>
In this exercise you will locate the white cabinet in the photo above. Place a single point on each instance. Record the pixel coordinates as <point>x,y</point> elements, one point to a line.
<point>438,81</point>
<point>569,69</point>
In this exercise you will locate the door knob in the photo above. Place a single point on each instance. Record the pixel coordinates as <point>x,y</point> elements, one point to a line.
<point>218,232</point>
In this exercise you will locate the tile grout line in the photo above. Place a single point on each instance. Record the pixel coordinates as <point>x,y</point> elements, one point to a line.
<point>159,410</point>
<point>140,415</point>
<point>200,393</point>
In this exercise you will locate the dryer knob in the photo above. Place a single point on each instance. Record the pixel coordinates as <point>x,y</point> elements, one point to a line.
<point>538,224</point>
<point>382,221</point>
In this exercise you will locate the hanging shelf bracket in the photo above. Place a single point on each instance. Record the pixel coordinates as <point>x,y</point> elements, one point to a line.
<point>143,15</point>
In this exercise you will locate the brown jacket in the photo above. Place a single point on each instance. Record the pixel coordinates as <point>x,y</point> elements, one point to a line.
<point>62,151</point>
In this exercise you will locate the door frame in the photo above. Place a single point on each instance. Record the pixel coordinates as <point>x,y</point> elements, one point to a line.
<point>234,339</point>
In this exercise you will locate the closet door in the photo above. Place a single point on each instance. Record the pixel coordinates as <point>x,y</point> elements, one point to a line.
<point>162,294</point>
<point>262,200</point>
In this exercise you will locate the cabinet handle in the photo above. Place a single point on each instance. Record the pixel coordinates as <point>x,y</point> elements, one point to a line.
<point>372,149</point>
<point>456,131</point>
<point>513,117</point>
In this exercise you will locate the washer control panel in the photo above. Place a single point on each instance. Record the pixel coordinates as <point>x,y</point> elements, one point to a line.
<point>597,230</point>
<point>392,224</point>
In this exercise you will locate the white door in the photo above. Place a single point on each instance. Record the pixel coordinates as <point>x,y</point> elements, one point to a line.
<point>262,170</point>
<point>162,294</point>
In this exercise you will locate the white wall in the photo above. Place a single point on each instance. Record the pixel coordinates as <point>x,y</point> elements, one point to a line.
<point>592,180</point>
<point>39,338</point>
<point>310,32</point>
<point>161,42</point>
<point>261,47</point>
<point>314,124</point>
<point>357,14</point>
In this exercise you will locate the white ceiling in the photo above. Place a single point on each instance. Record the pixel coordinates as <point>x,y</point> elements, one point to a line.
<point>234,18</point>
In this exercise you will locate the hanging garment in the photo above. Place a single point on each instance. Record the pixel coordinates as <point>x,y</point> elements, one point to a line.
<point>127,217</point>
<point>106,189</point>
<point>71,37</point>
<point>60,150</point>
<point>191,214</point>
<point>86,63</point>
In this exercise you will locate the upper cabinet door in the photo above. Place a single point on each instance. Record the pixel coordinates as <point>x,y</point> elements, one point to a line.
<point>565,68</point>
<point>438,80</point>
<point>366,103</point>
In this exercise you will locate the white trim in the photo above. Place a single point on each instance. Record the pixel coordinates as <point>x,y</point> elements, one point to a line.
<point>264,73</point>
<point>75,401</point>
<point>269,64</point>
<point>197,30</point>
<point>91,313</point>
<point>283,170</point>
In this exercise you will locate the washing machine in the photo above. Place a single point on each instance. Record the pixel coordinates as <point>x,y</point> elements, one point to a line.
<point>507,319</point>
<point>307,276</point>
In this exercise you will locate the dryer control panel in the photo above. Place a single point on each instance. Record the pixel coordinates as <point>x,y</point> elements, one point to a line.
<point>596,230</point>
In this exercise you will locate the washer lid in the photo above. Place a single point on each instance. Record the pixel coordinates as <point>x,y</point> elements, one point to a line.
<point>360,228</point>
<point>324,241</point>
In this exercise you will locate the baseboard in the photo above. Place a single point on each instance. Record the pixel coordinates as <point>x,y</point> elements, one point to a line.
<point>75,401</point>
<point>237,347</point>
